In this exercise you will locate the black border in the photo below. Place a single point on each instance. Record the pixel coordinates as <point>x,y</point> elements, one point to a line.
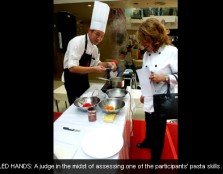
<point>27,84</point>
<point>200,125</point>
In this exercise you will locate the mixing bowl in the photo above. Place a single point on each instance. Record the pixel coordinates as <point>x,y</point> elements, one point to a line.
<point>111,105</point>
<point>116,93</point>
<point>83,103</point>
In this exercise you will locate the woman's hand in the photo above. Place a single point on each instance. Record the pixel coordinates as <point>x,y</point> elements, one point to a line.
<point>157,77</point>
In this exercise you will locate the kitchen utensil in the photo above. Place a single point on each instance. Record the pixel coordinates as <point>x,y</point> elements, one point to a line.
<point>70,129</point>
<point>115,103</point>
<point>81,101</point>
<point>116,82</point>
<point>101,78</point>
<point>116,93</point>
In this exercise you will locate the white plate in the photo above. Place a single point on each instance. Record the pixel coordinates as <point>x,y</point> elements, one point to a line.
<point>102,143</point>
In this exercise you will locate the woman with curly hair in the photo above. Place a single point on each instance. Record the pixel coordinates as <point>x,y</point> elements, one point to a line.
<point>161,57</point>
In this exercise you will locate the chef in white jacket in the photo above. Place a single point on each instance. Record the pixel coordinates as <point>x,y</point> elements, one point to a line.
<point>82,55</point>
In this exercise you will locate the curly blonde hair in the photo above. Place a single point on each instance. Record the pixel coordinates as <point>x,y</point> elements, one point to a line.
<point>154,32</point>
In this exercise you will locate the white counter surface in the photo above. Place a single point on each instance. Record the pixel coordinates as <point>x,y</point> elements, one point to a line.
<point>67,144</point>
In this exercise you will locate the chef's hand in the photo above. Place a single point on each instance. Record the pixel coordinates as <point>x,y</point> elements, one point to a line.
<point>113,66</point>
<point>141,99</point>
<point>99,69</point>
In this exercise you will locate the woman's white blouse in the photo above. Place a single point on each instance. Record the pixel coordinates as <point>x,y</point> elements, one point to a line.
<point>164,61</point>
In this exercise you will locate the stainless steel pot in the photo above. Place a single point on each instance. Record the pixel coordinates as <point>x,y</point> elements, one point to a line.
<point>116,82</point>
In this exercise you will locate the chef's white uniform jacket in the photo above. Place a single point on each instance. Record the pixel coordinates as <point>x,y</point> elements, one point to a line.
<point>75,50</point>
<point>164,61</point>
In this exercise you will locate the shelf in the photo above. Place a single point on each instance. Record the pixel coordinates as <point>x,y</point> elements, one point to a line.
<point>171,22</point>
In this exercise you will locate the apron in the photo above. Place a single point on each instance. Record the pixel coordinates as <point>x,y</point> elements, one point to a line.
<point>76,84</point>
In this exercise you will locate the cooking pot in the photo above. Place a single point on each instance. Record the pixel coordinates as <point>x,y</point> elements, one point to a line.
<point>116,82</point>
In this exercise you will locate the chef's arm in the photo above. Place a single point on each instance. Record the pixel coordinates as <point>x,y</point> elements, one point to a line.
<point>85,70</point>
<point>111,65</point>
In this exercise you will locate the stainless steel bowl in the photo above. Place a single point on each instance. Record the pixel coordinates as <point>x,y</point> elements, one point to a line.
<point>81,101</point>
<point>117,103</point>
<point>116,93</point>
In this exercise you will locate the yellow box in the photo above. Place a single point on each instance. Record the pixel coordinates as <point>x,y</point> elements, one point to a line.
<point>109,118</point>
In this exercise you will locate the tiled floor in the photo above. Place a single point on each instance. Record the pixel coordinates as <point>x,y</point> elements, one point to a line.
<point>138,113</point>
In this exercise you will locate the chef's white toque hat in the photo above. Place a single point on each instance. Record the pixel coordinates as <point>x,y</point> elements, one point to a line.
<point>99,16</point>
